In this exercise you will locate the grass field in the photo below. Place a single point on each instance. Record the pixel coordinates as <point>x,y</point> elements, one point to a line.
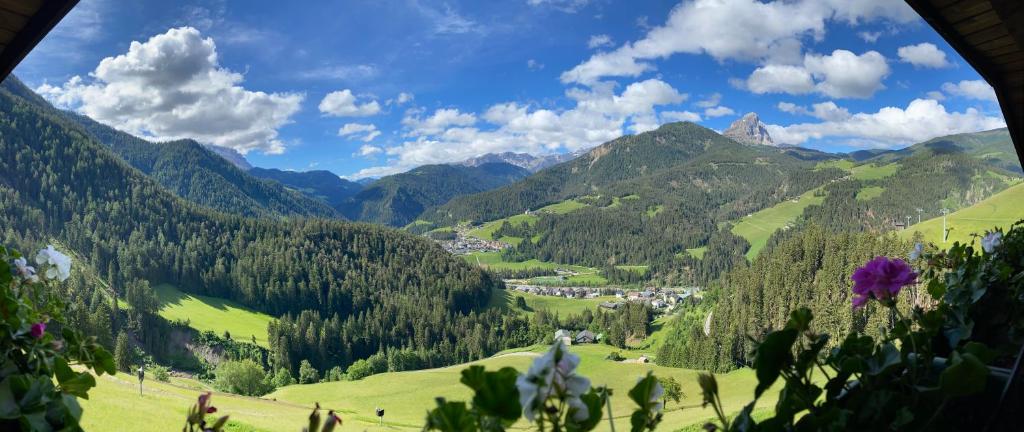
<point>869,193</point>
<point>506,299</point>
<point>406,396</point>
<point>697,252</point>
<point>494,261</point>
<point>874,172</point>
<point>999,210</point>
<point>214,314</point>
<point>486,231</point>
<point>757,227</point>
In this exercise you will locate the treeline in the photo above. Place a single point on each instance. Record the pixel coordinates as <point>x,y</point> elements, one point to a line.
<point>810,267</point>
<point>59,184</point>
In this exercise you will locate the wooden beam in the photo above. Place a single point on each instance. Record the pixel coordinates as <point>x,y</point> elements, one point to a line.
<point>50,12</point>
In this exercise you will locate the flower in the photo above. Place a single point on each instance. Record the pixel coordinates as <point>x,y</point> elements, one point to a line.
<point>553,374</point>
<point>24,270</point>
<point>58,264</point>
<point>38,330</point>
<point>917,252</point>
<point>991,241</point>
<point>211,410</point>
<point>881,279</point>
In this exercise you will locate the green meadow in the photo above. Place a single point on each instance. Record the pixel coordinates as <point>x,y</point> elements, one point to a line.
<point>506,299</point>
<point>213,314</point>
<point>486,231</point>
<point>494,261</point>
<point>758,227</point>
<point>1000,210</point>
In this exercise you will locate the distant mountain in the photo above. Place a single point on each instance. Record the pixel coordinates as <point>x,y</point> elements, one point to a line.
<point>187,168</point>
<point>523,160</point>
<point>993,147</point>
<point>749,130</point>
<point>323,185</point>
<point>399,199</point>
<point>231,155</point>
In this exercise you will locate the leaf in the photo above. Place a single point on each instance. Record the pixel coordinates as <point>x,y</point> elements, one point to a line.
<point>936,289</point>
<point>641,392</point>
<point>495,393</point>
<point>771,355</point>
<point>450,417</point>
<point>966,376</point>
<point>595,404</point>
<point>981,351</point>
<point>800,319</point>
<point>887,357</point>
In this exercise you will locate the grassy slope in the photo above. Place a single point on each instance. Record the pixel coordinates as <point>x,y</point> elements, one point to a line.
<point>758,227</point>
<point>494,261</point>
<point>214,314</point>
<point>563,306</point>
<point>486,231</point>
<point>870,192</point>
<point>999,210</point>
<point>406,396</point>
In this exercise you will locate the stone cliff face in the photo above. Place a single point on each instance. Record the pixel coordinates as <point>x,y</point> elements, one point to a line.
<point>749,130</point>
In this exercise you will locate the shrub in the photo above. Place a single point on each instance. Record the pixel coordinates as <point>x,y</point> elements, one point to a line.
<point>358,370</point>
<point>38,387</point>
<point>282,378</point>
<point>124,353</point>
<point>615,356</point>
<point>307,373</point>
<point>335,374</point>
<point>160,373</point>
<point>244,377</point>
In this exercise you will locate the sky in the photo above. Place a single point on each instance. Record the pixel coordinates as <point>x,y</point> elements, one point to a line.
<point>375,87</point>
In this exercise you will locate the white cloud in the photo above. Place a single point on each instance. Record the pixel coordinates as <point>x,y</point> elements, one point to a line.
<point>975,89</point>
<point>340,72</point>
<point>711,101</point>
<point>343,103</point>
<point>172,86</point>
<point>568,6</point>
<point>890,127</point>
<point>719,111</point>
<point>404,98</point>
<point>937,95</point>
<point>678,116</point>
<point>923,55</point>
<point>438,122</point>
<point>365,132</point>
<point>824,110</point>
<point>367,150</point>
<point>869,37</point>
<point>532,64</point>
<point>744,30</point>
<point>598,41</point>
<point>780,79</point>
<point>841,74</point>
<point>599,115</point>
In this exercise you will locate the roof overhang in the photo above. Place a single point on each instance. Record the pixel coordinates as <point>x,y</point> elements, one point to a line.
<point>988,34</point>
<point>23,23</point>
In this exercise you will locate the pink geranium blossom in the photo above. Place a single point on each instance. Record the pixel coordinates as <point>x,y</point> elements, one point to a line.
<point>881,279</point>
<point>38,329</point>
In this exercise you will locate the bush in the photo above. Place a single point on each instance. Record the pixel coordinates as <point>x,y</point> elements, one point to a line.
<point>335,374</point>
<point>124,353</point>
<point>160,373</point>
<point>282,378</point>
<point>307,373</point>
<point>358,370</point>
<point>615,356</point>
<point>244,377</point>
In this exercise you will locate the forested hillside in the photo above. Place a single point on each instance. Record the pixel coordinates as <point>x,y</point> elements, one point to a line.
<point>399,199</point>
<point>383,288</point>
<point>192,171</point>
<point>319,184</point>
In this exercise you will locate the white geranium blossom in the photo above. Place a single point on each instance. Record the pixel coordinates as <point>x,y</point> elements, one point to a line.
<point>991,241</point>
<point>917,252</point>
<point>57,265</point>
<point>24,270</point>
<point>553,375</point>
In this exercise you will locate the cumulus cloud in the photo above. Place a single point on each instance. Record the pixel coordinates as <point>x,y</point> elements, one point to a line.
<point>340,72</point>
<point>532,64</point>
<point>970,89</point>
<point>711,101</point>
<point>678,116</point>
<point>568,6</point>
<point>172,86</point>
<point>868,36</point>
<point>744,30</point>
<point>343,103</point>
<point>719,111</point>
<point>841,74</point>
<point>923,55</point>
<point>824,110</point>
<point>890,127</point>
<point>598,41</point>
<point>404,98</point>
<point>365,132</point>
<point>599,115</point>
<point>367,150</point>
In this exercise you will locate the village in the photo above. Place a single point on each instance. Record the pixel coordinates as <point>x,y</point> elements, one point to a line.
<point>661,299</point>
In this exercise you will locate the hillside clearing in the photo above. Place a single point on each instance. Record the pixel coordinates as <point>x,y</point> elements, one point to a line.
<point>1000,210</point>
<point>506,299</point>
<point>214,314</point>
<point>758,227</point>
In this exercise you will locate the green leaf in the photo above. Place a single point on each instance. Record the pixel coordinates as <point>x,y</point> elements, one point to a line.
<point>594,401</point>
<point>887,357</point>
<point>450,417</point>
<point>641,392</point>
<point>495,393</point>
<point>771,355</point>
<point>800,319</point>
<point>966,376</point>
<point>936,289</point>
<point>981,351</point>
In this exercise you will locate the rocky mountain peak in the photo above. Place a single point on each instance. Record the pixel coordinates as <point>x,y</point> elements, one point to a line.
<point>749,130</point>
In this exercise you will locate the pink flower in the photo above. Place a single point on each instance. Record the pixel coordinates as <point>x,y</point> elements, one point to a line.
<point>38,329</point>
<point>881,279</point>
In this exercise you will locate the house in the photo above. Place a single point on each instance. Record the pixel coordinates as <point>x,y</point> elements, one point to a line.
<point>563,335</point>
<point>643,359</point>
<point>585,336</point>
<point>609,305</point>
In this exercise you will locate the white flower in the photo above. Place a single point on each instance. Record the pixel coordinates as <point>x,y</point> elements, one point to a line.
<point>24,270</point>
<point>991,241</point>
<point>58,265</point>
<point>553,375</point>
<point>917,252</point>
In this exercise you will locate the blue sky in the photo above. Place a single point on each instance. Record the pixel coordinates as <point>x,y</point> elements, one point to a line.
<point>368,88</point>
